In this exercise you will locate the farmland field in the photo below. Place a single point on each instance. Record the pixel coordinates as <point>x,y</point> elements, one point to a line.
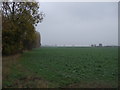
<point>54,67</point>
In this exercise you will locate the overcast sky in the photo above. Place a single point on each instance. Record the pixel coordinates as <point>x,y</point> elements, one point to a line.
<point>80,23</point>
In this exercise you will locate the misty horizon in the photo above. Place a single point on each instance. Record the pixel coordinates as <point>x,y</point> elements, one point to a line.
<point>79,24</point>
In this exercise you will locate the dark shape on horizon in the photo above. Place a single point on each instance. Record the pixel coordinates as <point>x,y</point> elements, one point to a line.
<point>100,45</point>
<point>93,45</point>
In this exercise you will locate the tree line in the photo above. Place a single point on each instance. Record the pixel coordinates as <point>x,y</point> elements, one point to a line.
<point>18,26</point>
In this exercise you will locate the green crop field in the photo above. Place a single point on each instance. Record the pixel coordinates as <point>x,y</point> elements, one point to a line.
<point>63,67</point>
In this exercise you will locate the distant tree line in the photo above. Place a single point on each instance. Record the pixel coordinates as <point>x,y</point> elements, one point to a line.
<point>18,26</point>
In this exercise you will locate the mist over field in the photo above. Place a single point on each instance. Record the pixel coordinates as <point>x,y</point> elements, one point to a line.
<point>41,46</point>
<point>79,24</point>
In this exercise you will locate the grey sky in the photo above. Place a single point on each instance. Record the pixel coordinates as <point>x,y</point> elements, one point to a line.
<point>80,23</point>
